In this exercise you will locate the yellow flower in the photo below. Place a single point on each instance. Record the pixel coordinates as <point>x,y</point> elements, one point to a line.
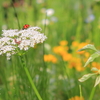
<point>50,58</point>
<point>87,54</point>
<point>81,45</point>
<point>60,50</point>
<point>63,43</point>
<point>80,52</point>
<point>76,98</point>
<point>75,44</point>
<point>76,63</point>
<point>66,56</point>
<point>95,64</point>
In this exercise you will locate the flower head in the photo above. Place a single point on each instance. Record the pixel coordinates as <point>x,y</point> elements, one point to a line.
<point>76,98</point>
<point>13,41</point>
<point>63,43</point>
<point>50,58</point>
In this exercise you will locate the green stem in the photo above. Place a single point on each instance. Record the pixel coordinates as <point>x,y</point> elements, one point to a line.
<point>92,93</point>
<point>16,15</point>
<point>80,92</point>
<point>30,78</point>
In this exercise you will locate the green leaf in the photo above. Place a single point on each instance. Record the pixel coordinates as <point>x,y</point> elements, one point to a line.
<point>85,77</point>
<point>89,46</point>
<point>97,81</point>
<point>94,69</point>
<point>92,57</point>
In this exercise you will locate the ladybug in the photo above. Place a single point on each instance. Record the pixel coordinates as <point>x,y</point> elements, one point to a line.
<point>26,26</point>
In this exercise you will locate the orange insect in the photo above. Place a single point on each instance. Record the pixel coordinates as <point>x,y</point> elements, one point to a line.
<point>26,26</point>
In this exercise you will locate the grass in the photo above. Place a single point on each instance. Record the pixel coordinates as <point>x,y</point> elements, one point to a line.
<point>59,80</point>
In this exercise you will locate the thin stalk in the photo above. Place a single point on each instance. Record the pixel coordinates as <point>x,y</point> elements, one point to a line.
<point>79,26</point>
<point>80,92</point>
<point>30,78</point>
<point>16,15</point>
<point>65,73</point>
<point>92,93</point>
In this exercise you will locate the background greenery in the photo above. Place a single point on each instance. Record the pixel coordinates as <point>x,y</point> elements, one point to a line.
<point>71,22</point>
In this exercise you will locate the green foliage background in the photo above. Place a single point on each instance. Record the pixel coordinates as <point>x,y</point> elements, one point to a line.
<point>71,26</point>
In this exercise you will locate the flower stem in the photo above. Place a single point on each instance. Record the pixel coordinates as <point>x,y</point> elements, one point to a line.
<point>29,77</point>
<point>80,92</point>
<point>92,93</point>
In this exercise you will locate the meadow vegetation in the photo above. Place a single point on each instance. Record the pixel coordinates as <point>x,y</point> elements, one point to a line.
<point>56,65</point>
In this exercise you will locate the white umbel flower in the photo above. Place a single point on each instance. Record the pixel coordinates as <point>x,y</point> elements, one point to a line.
<point>13,41</point>
<point>10,33</point>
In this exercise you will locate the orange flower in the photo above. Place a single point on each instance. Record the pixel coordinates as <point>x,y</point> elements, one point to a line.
<point>50,58</point>
<point>66,56</point>
<point>78,46</point>
<point>76,98</point>
<point>81,45</point>
<point>59,50</point>
<point>75,44</point>
<point>63,43</point>
<point>80,52</point>
<point>79,68</point>
<point>95,64</point>
<point>87,54</point>
<point>76,63</point>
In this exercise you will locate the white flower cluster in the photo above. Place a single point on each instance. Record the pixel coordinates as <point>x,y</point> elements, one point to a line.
<point>13,41</point>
